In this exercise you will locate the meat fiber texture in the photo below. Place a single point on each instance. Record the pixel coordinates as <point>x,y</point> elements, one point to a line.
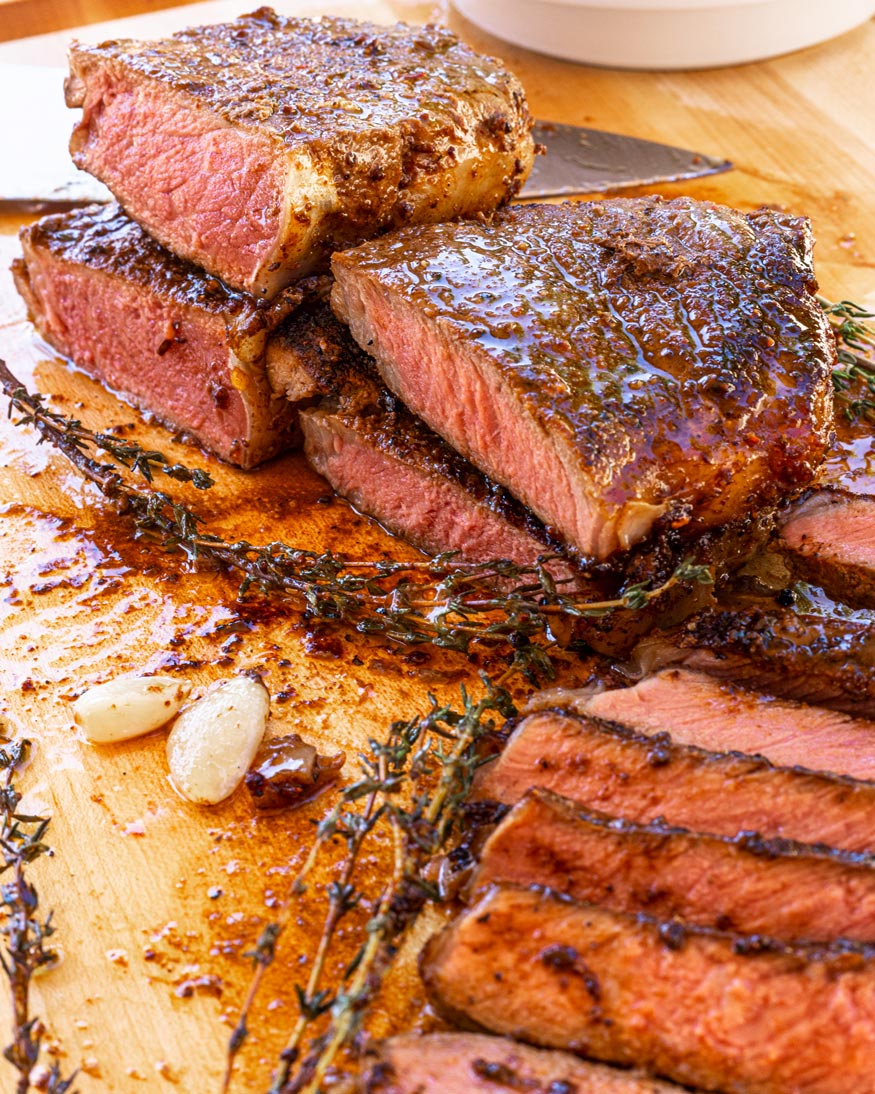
<point>828,538</point>
<point>697,709</point>
<point>620,366</point>
<point>711,1009</point>
<point>791,891</point>
<point>471,1063</point>
<point>811,658</point>
<point>157,330</point>
<point>255,148</point>
<point>643,777</point>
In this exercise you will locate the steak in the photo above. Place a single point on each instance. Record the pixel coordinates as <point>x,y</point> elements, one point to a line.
<point>257,147</point>
<point>715,1010</point>
<point>791,891</point>
<point>157,330</point>
<point>828,538</point>
<point>391,466</point>
<point>471,1063</point>
<point>620,366</point>
<point>641,778</point>
<point>810,658</point>
<point>387,463</point>
<point>697,709</point>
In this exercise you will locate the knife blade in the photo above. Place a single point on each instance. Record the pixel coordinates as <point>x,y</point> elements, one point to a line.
<point>36,174</point>
<point>589,161</point>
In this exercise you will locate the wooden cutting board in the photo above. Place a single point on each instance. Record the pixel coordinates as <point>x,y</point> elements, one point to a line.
<point>156,902</point>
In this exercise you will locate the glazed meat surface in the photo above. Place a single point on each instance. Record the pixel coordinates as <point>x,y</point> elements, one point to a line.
<point>719,1011</point>
<point>471,1063</point>
<point>157,330</point>
<point>811,658</point>
<point>255,148</point>
<point>619,365</point>
<point>787,890</point>
<point>643,777</point>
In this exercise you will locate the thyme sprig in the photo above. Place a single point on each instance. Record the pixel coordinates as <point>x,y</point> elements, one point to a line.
<point>25,949</point>
<point>36,411</point>
<point>412,787</point>
<point>855,348</point>
<point>440,601</point>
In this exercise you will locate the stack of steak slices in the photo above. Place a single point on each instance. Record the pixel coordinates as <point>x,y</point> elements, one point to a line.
<point>685,882</point>
<point>241,156</point>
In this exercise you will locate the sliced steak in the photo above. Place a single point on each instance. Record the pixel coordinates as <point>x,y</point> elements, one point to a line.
<point>641,778</point>
<point>697,709</point>
<point>157,330</point>
<point>791,891</point>
<point>471,1063</point>
<point>715,1010</point>
<point>811,658</point>
<point>255,148</point>
<point>391,466</point>
<point>829,540</point>
<point>607,361</point>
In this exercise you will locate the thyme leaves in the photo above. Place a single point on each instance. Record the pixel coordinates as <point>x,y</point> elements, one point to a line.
<point>26,948</point>
<point>440,601</point>
<point>854,379</point>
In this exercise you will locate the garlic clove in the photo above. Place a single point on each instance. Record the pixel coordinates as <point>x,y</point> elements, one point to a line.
<point>213,742</point>
<point>128,706</point>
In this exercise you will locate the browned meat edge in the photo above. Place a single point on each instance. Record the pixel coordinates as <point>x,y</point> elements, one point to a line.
<point>829,540</point>
<point>814,659</point>
<point>614,769</point>
<point>471,1063</point>
<point>719,1011</point>
<point>791,891</point>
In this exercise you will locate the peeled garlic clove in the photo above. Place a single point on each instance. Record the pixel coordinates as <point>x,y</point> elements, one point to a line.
<point>128,706</point>
<point>211,745</point>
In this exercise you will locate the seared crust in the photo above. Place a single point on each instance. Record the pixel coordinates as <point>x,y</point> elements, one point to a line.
<point>351,128</point>
<point>637,364</point>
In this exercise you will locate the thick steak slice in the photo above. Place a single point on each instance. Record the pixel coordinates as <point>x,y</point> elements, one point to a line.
<point>697,709</point>
<point>255,148</point>
<point>157,330</point>
<point>614,364</point>
<point>471,1063</point>
<point>641,778</point>
<point>810,658</point>
<point>391,466</point>
<point>829,539</point>
<point>718,1011</point>
<point>791,891</point>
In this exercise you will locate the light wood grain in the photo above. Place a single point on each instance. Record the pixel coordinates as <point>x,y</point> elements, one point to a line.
<point>22,18</point>
<point>80,602</point>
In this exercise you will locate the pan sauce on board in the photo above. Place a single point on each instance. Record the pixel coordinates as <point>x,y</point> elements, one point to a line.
<point>141,933</point>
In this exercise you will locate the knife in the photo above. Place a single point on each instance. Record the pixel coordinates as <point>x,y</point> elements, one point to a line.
<point>36,174</point>
<point>590,161</point>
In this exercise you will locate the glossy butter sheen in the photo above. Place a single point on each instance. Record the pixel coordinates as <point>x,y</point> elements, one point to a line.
<point>675,346</point>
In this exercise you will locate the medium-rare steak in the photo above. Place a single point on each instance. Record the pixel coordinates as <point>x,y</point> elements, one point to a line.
<point>171,339</point>
<point>255,148</point>
<point>697,709</point>
<point>391,466</point>
<point>791,891</point>
<point>387,463</point>
<point>471,1063</point>
<point>715,1010</point>
<point>811,658</point>
<point>828,538</point>
<point>619,365</point>
<point>640,777</point>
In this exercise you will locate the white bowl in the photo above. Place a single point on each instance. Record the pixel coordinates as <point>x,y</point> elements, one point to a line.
<point>666,34</point>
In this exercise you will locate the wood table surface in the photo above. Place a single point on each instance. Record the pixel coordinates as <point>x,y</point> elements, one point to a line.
<point>156,902</point>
